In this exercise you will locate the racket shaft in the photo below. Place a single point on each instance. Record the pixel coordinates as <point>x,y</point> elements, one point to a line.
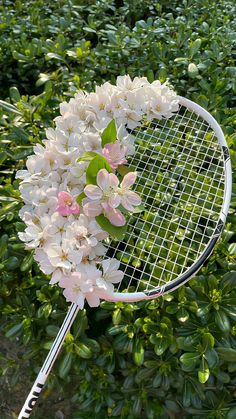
<point>48,364</point>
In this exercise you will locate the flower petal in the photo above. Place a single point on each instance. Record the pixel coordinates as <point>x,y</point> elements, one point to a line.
<point>110,265</point>
<point>133,198</point>
<point>114,200</point>
<point>113,180</point>
<point>64,198</point>
<point>115,217</point>
<point>103,179</point>
<point>93,192</point>
<point>92,209</point>
<point>56,276</point>
<point>116,277</point>
<point>75,208</point>
<point>63,210</point>
<point>104,285</point>
<point>93,299</point>
<point>128,180</point>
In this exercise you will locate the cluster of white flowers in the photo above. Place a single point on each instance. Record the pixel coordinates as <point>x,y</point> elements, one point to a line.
<point>67,243</point>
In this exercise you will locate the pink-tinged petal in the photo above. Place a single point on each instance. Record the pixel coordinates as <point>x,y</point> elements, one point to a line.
<point>113,180</point>
<point>114,201</point>
<point>109,265</point>
<point>115,154</point>
<point>64,198</point>
<point>93,299</point>
<point>116,277</point>
<point>126,204</point>
<point>56,276</point>
<point>92,209</point>
<point>133,198</point>
<point>93,192</point>
<point>115,217</point>
<point>104,286</point>
<point>105,206</point>
<point>128,180</point>
<point>71,296</point>
<point>63,210</point>
<point>103,179</point>
<point>80,300</point>
<point>75,209</point>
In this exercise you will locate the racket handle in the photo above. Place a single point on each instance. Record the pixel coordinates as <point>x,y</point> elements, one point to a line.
<point>48,363</point>
<point>32,397</point>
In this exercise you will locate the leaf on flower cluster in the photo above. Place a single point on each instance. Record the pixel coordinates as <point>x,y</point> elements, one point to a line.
<point>88,156</point>
<point>98,163</point>
<point>115,232</point>
<point>123,169</point>
<point>80,198</point>
<point>109,134</point>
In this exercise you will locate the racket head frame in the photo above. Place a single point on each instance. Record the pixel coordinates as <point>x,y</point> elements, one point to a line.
<point>190,272</point>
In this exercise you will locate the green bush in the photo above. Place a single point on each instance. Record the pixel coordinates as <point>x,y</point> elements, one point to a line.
<point>172,357</point>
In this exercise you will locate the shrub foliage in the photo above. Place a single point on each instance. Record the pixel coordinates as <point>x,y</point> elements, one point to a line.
<point>157,359</point>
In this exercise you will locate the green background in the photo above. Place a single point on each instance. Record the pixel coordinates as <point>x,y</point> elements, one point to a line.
<point>168,358</point>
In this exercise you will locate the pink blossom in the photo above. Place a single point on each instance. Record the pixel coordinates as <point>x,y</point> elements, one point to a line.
<point>115,154</point>
<point>66,204</point>
<point>80,285</point>
<point>106,196</point>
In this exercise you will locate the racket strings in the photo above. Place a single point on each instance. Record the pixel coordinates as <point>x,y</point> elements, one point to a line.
<point>181,182</point>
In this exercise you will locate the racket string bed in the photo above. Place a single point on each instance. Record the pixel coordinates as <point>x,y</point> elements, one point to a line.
<point>134,160</point>
<point>200,214</point>
<point>166,234</point>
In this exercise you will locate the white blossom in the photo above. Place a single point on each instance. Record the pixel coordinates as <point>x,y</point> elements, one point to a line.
<point>69,247</point>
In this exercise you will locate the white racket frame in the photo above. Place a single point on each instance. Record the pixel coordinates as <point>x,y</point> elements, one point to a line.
<point>172,285</point>
<point>137,296</point>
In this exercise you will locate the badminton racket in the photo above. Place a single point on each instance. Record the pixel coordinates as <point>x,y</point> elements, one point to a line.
<point>184,180</point>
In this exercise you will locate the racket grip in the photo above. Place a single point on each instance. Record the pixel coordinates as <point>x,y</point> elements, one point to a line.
<point>33,396</point>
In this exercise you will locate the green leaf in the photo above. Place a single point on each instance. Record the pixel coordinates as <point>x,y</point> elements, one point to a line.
<point>203,373</point>
<point>9,108</point>
<point>190,358</point>
<point>51,55</point>
<point>138,352</point>
<point>192,70</point>
<point>65,365</point>
<point>222,321</point>
<point>138,209</point>
<point>87,156</point>
<point>115,232</point>
<point>83,351</point>
<point>161,346</point>
<point>14,94</point>
<point>211,357</point>
<point>123,169</point>
<point>227,354</point>
<point>207,341</point>
<point>11,263</point>
<point>231,414</point>
<point>229,281</point>
<point>195,47</point>
<point>115,330</point>
<point>27,262</point>
<point>87,29</point>
<point>52,330</point>
<point>13,330</point>
<point>3,244</point>
<point>109,134</point>
<point>232,249</point>
<point>80,198</point>
<point>98,163</point>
